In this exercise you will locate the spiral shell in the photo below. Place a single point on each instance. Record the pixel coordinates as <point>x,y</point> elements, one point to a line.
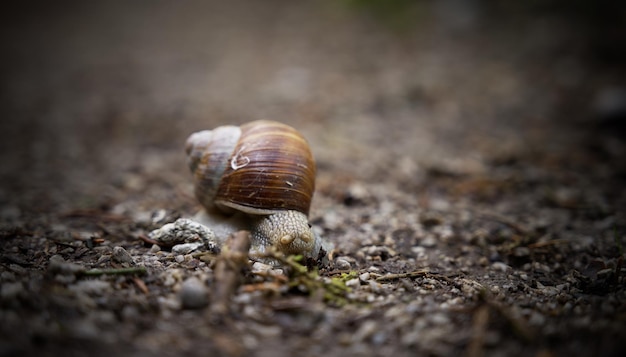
<point>259,168</point>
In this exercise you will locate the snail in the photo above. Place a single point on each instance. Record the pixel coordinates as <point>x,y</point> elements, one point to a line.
<point>259,176</point>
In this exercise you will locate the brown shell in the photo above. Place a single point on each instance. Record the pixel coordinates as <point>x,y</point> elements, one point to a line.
<point>270,169</point>
<point>208,154</point>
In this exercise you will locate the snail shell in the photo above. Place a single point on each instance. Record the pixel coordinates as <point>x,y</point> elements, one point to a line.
<point>263,169</point>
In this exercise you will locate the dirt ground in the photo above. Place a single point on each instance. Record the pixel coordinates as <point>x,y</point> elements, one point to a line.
<point>470,159</point>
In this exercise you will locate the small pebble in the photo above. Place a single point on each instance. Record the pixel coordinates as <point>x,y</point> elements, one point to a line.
<point>172,276</point>
<point>130,313</point>
<point>373,269</point>
<point>366,329</point>
<point>439,318</point>
<point>353,283</point>
<point>376,287</point>
<point>521,252</point>
<point>499,266</point>
<point>84,328</point>
<point>419,251</point>
<point>121,256</point>
<point>18,269</point>
<point>549,291</point>
<point>428,242</point>
<point>194,294</point>
<point>58,265</point>
<point>536,319</point>
<point>185,231</point>
<point>342,264</point>
<point>10,291</point>
<point>259,267</point>
<point>7,276</point>
<point>187,248</point>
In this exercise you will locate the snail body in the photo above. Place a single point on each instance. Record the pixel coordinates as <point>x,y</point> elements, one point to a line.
<point>260,175</point>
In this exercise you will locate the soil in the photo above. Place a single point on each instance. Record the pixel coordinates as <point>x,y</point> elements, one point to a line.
<point>469,174</point>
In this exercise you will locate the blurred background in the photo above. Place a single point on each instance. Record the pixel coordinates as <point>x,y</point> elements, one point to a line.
<point>97,98</point>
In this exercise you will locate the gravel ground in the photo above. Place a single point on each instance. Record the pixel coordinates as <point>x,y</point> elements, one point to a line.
<point>470,176</point>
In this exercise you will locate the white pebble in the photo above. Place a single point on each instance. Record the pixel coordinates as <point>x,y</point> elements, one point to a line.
<point>499,266</point>
<point>258,267</point>
<point>353,283</point>
<point>342,264</point>
<point>428,242</point>
<point>187,248</point>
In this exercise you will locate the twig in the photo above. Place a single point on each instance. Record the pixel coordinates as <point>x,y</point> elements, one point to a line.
<point>15,259</point>
<point>504,220</point>
<point>13,232</point>
<point>480,323</point>
<point>286,261</point>
<point>116,271</point>
<point>267,286</point>
<point>228,268</point>
<point>308,280</point>
<point>410,274</point>
<point>548,243</point>
<point>94,214</point>
<point>141,285</point>
<point>148,240</point>
<point>518,325</point>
